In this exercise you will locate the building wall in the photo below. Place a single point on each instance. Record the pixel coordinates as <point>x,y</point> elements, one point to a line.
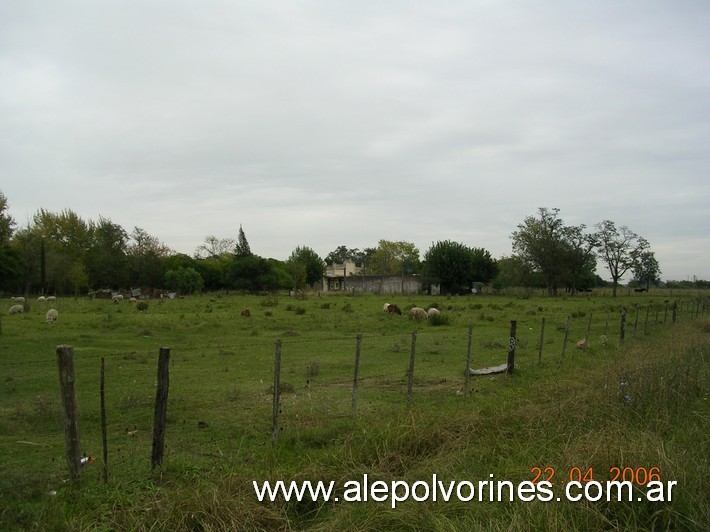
<point>408,284</point>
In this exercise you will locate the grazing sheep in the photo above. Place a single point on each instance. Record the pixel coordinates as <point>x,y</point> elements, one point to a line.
<point>18,299</point>
<point>582,344</point>
<point>432,312</point>
<point>386,307</point>
<point>393,309</point>
<point>133,300</point>
<point>16,309</point>
<point>418,313</point>
<point>52,315</point>
<point>41,299</point>
<point>117,298</point>
<point>246,313</point>
<point>51,298</point>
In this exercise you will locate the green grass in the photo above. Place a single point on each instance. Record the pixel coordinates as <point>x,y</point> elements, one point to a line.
<point>566,411</point>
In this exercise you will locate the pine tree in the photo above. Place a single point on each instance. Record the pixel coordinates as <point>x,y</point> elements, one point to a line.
<point>242,249</point>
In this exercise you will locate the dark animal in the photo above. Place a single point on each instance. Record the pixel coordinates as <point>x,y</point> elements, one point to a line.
<point>246,313</point>
<point>639,290</point>
<point>394,309</point>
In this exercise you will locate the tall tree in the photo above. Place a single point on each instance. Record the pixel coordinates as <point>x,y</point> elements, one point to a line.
<point>579,259</point>
<point>619,249</point>
<point>646,269</point>
<point>106,260</point>
<point>27,245</point>
<point>561,254</point>
<point>242,249</point>
<point>305,266</point>
<point>539,242</point>
<point>214,247</point>
<point>343,253</point>
<point>513,272</point>
<point>64,240</point>
<point>7,223</point>
<point>253,274</point>
<point>10,267</point>
<point>393,258</point>
<point>455,266</point>
<point>145,255</point>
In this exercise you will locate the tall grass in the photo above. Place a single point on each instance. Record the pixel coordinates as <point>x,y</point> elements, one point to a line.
<point>640,405</point>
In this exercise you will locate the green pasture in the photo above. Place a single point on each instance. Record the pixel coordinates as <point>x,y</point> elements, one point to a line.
<point>562,408</point>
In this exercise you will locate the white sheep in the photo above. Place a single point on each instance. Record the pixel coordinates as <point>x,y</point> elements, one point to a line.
<point>385,307</point>
<point>432,312</point>
<point>117,298</point>
<point>51,298</point>
<point>41,299</point>
<point>418,313</point>
<point>52,315</point>
<point>16,309</point>
<point>18,299</point>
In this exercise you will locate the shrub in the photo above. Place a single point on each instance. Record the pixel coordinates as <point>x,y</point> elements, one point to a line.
<point>439,319</point>
<point>270,301</point>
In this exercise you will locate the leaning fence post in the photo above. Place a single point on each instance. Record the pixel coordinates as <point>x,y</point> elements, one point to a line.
<point>542,338</point>
<point>622,328</point>
<point>511,347</point>
<point>675,311</point>
<point>277,393</point>
<point>410,370</point>
<point>358,342</point>
<point>104,444</point>
<point>161,407</point>
<point>467,378</point>
<point>67,386</point>
<point>564,342</point>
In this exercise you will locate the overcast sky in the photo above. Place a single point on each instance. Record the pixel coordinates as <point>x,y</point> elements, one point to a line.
<point>327,123</point>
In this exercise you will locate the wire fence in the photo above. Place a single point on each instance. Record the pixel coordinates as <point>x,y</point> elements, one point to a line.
<point>258,390</point>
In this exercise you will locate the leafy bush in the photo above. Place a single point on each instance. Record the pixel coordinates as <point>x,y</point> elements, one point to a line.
<point>439,319</point>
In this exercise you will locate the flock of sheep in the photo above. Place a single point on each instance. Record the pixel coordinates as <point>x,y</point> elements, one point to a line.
<point>19,307</point>
<point>416,313</point>
<point>52,315</point>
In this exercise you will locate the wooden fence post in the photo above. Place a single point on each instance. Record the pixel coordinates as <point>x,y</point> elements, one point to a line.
<point>589,327</point>
<point>410,370</point>
<point>161,407</point>
<point>467,378</point>
<point>606,324</point>
<point>542,339</point>
<point>645,323</point>
<point>67,385</point>
<point>622,328</point>
<point>104,444</point>
<point>277,393</point>
<point>636,319</point>
<point>675,311</point>
<point>356,376</point>
<point>564,342</point>
<point>511,347</point>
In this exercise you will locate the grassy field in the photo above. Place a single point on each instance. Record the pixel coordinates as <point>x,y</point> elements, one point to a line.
<point>563,408</point>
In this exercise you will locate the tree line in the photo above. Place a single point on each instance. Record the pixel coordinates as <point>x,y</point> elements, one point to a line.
<point>63,254</point>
